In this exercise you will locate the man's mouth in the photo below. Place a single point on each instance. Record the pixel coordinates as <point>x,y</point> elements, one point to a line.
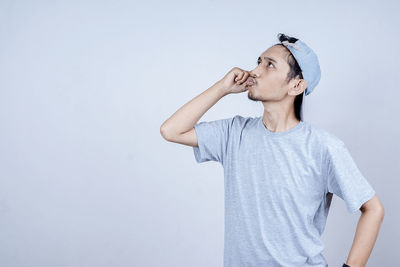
<point>250,81</point>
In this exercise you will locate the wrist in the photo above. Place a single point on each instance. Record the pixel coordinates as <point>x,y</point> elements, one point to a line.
<point>221,88</point>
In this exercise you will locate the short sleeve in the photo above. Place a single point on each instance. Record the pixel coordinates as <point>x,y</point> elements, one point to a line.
<point>345,179</point>
<point>212,139</point>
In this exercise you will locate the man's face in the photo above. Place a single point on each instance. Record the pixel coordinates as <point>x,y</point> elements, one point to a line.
<point>270,75</point>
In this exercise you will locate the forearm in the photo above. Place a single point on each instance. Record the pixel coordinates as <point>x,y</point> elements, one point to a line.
<point>364,240</point>
<point>187,116</point>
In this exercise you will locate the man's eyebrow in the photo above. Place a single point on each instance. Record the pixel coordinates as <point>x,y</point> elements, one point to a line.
<point>268,58</point>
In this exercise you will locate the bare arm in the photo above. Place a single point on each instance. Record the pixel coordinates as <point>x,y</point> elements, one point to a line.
<point>184,119</point>
<point>366,232</point>
<point>179,128</point>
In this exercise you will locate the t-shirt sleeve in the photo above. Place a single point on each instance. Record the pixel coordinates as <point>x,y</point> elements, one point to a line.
<point>212,139</point>
<point>345,179</point>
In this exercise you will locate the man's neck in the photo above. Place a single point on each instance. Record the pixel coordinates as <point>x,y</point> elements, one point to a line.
<point>276,123</point>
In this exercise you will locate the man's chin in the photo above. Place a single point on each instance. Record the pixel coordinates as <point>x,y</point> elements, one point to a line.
<point>250,94</point>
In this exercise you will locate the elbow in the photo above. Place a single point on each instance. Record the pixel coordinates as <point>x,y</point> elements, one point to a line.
<point>382,212</point>
<point>165,133</point>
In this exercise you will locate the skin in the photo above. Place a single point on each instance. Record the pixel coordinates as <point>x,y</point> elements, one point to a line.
<point>372,214</point>
<point>272,89</point>
<point>277,96</point>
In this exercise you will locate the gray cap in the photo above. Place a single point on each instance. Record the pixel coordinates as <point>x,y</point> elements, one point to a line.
<point>307,60</point>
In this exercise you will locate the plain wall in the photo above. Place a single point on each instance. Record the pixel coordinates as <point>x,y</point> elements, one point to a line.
<point>86,179</point>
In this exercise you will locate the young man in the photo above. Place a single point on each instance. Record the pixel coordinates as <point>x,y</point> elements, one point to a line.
<point>280,171</point>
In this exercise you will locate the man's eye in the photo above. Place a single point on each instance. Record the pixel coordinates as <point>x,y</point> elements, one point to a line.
<point>269,63</point>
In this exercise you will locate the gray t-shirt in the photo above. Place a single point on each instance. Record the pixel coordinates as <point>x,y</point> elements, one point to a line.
<point>278,188</point>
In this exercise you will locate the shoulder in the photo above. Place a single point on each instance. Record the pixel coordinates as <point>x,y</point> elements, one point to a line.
<point>239,119</point>
<point>240,122</point>
<point>329,145</point>
<point>236,120</point>
<point>228,124</point>
<point>324,138</point>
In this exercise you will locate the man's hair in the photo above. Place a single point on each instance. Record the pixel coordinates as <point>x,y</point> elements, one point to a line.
<point>294,71</point>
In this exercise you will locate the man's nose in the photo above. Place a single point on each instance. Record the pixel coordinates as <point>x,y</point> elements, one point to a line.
<point>253,73</point>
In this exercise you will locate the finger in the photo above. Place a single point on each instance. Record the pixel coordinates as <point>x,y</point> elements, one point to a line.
<point>239,77</point>
<point>245,76</point>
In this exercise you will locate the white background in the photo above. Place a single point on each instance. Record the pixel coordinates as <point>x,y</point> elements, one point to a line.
<point>86,179</point>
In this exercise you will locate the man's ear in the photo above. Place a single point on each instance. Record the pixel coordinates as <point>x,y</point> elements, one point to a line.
<point>298,86</point>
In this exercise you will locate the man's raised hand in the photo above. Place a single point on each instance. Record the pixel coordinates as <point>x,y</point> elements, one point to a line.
<point>235,81</point>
